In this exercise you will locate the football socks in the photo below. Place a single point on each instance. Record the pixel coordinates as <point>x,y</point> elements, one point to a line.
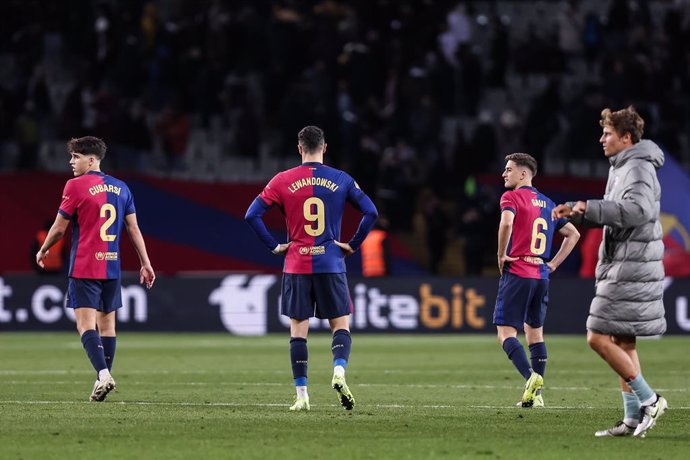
<point>109,350</point>
<point>298,357</point>
<point>94,349</point>
<point>516,353</point>
<point>642,389</point>
<point>631,406</point>
<point>341,345</point>
<point>537,353</point>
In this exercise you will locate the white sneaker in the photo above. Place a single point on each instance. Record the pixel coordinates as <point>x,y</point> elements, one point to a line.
<point>101,389</point>
<point>650,414</point>
<point>301,403</point>
<point>619,429</point>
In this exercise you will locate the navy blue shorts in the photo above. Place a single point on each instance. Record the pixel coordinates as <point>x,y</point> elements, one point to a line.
<point>521,300</point>
<point>103,295</point>
<point>324,295</point>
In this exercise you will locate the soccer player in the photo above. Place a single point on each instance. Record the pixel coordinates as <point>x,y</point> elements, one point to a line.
<point>312,197</point>
<point>630,273</point>
<point>98,205</point>
<point>524,247</point>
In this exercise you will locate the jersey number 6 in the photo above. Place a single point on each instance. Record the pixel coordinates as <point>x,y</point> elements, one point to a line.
<point>538,244</point>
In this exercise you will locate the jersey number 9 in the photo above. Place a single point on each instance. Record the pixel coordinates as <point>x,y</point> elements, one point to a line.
<point>315,211</point>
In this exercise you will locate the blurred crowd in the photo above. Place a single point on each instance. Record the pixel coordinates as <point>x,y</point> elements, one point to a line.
<point>418,98</point>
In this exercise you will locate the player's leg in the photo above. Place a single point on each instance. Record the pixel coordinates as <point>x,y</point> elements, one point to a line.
<point>617,353</point>
<point>538,356</point>
<point>296,300</point>
<point>106,327</point>
<point>110,300</point>
<point>299,357</point>
<point>509,316</point>
<point>642,403</point>
<point>84,296</point>
<point>534,333</point>
<point>333,302</point>
<point>106,319</point>
<point>340,347</point>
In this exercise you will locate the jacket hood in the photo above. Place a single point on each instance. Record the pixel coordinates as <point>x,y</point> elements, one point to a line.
<point>644,150</point>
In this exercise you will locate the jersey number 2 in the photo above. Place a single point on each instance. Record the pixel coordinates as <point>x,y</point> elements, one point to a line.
<point>316,215</point>
<point>538,244</point>
<point>108,209</point>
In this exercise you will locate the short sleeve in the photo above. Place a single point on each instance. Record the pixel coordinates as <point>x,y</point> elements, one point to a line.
<point>129,205</point>
<point>70,200</point>
<point>508,202</point>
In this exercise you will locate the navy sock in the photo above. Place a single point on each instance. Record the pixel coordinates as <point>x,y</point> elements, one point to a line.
<point>537,352</point>
<point>298,357</point>
<point>516,353</point>
<point>109,344</point>
<point>341,345</point>
<point>94,349</point>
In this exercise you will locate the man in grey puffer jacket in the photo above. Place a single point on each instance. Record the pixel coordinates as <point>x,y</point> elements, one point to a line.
<point>630,272</point>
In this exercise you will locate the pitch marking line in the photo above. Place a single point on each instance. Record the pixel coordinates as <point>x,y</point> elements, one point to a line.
<point>378,406</point>
<point>370,385</point>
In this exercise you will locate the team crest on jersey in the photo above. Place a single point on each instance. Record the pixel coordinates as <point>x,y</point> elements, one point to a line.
<point>312,250</point>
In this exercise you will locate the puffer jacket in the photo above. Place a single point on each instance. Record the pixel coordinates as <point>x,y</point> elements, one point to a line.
<point>630,271</point>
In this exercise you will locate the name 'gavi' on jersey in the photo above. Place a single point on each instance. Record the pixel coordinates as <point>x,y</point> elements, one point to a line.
<point>533,230</point>
<point>312,197</point>
<point>100,203</point>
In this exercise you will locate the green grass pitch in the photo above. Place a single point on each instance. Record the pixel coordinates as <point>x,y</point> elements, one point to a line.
<point>418,397</point>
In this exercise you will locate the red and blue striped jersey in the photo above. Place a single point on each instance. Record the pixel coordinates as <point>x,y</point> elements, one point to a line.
<point>97,205</point>
<point>312,198</point>
<point>532,233</point>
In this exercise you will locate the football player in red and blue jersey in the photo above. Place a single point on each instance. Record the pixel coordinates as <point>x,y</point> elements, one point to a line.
<point>312,198</point>
<point>97,205</point>
<point>524,248</point>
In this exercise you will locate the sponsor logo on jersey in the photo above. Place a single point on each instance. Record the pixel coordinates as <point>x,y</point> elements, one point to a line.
<point>312,250</point>
<point>100,255</point>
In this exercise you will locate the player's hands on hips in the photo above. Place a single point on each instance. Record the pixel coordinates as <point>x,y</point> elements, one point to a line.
<point>40,255</point>
<point>552,267</point>
<point>345,247</point>
<point>147,276</point>
<point>503,259</point>
<point>282,248</point>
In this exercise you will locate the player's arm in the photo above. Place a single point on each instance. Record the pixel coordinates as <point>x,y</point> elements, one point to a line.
<point>505,229</point>
<point>570,238</point>
<point>363,203</point>
<point>56,232</point>
<point>253,217</point>
<point>636,206</point>
<point>146,274</point>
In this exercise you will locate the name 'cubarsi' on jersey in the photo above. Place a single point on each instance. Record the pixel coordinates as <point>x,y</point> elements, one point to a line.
<point>100,188</point>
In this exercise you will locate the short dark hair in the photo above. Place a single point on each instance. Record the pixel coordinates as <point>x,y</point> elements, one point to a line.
<point>525,160</point>
<point>88,145</point>
<point>624,121</point>
<point>311,138</point>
